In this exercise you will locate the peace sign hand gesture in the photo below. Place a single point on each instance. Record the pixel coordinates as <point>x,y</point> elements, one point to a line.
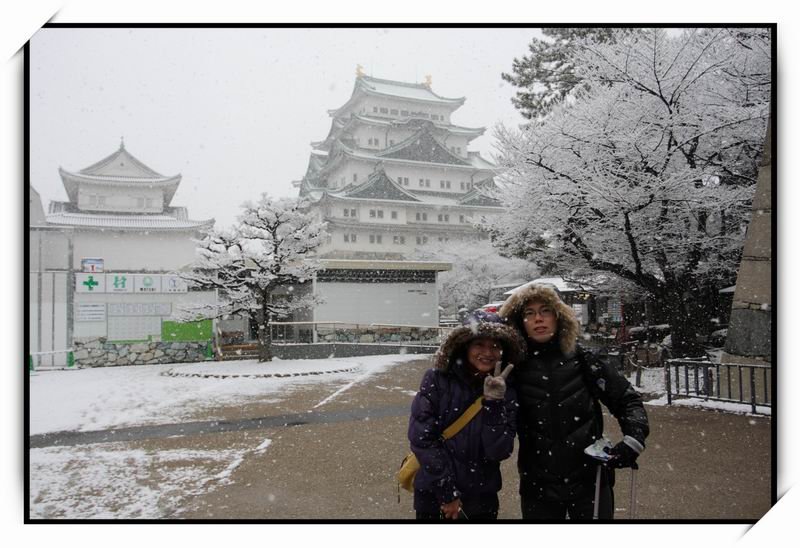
<point>494,387</point>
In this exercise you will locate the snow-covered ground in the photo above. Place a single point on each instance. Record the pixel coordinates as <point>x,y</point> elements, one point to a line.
<point>114,480</point>
<point>110,397</point>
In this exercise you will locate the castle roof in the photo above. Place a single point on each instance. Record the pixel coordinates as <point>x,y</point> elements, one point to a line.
<point>339,126</point>
<point>378,186</point>
<point>125,222</point>
<point>120,168</point>
<point>419,93</point>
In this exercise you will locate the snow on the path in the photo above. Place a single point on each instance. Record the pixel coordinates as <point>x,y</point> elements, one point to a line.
<point>112,480</point>
<point>111,397</point>
<point>730,407</point>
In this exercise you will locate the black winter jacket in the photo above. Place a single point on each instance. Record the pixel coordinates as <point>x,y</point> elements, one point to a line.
<point>560,415</point>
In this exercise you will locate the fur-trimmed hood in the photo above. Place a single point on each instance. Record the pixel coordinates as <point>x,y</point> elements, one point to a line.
<point>454,345</point>
<point>568,326</point>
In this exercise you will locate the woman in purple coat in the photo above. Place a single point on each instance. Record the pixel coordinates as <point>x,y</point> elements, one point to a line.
<point>459,478</point>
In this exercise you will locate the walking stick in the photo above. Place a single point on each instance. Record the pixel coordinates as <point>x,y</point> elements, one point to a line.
<point>596,512</point>
<point>596,452</point>
<point>634,468</point>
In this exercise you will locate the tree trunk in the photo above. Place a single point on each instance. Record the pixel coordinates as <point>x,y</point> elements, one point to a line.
<point>264,334</point>
<point>683,321</point>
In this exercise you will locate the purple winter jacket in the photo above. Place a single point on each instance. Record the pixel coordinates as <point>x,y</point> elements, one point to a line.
<point>466,466</point>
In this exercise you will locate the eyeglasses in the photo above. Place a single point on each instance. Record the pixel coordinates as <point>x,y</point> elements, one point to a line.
<point>544,312</point>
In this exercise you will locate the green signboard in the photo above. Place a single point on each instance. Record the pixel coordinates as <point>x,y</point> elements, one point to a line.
<point>186,331</point>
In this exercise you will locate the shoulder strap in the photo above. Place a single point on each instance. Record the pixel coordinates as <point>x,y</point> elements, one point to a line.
<point>462,421</point>
<point>586,359</point>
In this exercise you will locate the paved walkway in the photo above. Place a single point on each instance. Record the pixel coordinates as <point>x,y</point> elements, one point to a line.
<point>333,456</point>
<point>699,464</point>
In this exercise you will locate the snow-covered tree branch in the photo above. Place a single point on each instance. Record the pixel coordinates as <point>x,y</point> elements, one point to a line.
<point>256,265</point>
<point>477,268</point>
<point>650,176</point>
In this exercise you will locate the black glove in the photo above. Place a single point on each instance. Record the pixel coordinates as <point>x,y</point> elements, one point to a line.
<point>625,453</point>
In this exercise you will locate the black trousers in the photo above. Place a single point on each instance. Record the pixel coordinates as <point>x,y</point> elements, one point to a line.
<point>577,510</point>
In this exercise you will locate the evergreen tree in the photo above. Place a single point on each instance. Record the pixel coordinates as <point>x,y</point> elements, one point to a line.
<point>545,76</point>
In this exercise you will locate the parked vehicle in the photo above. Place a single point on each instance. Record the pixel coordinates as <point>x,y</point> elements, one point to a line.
<point>492,307</point>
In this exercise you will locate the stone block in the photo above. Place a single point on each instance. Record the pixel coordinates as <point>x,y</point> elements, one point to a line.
<point>750,333</point>
<point>759,236</point>
<point>763,196</point>
<point>754,282</point>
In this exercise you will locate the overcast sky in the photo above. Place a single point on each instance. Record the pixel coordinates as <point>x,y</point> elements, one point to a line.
<point>234,110</point>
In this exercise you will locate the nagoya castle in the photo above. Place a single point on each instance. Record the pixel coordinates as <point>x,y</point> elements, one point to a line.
<point>395,173</point>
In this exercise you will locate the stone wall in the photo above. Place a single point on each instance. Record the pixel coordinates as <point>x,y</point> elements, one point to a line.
<point>382,335</point>
<point>98,352</point>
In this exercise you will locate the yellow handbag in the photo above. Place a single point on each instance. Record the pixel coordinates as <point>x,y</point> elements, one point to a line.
<point>410,465</point>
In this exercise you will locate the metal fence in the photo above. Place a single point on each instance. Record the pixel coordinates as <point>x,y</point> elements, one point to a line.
<point>728,382</point>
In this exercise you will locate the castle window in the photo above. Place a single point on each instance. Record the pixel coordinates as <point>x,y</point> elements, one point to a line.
<point>355,177</point>
<point>404,113</point>
<point>372,214</point>
<point>346,214</point>
<point>394,215</point>
<point>352,212</point>
<point>374,109</point>
<point>380,214</point>
<point>394,111</point>
<point>399,240</point>
<point>384,110</point>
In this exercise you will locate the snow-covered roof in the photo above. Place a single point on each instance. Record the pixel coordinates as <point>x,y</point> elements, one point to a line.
<point>479,162</point>
<point>558,283</point>
<point>422,146</point>
<point>420,93</point>
<point>121,163</point>
<point>354,264</point>
<point>125,222</point>
<point>404,90</point>
<point>379,186</point>
<point>342,125</point>
<point>120,168</point>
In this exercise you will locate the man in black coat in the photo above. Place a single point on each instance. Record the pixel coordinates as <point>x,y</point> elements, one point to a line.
<point>559,387</point>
